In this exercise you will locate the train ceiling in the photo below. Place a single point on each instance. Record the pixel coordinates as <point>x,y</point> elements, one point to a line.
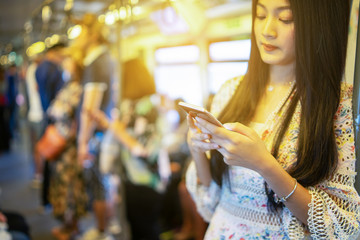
<point>26,19</point>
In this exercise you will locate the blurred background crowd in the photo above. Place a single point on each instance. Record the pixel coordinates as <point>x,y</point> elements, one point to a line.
<point>122,160</point>
<point>92,141</point>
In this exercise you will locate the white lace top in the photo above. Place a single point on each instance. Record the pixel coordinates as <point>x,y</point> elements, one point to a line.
<point>238,210</point>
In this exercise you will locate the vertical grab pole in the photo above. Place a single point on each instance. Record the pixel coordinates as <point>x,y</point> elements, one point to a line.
<point>356,104</point>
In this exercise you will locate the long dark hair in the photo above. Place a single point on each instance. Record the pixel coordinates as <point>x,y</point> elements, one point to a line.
<point>321,31</point>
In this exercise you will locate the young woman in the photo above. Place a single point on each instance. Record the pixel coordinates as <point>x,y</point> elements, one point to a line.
<point>283,165</point>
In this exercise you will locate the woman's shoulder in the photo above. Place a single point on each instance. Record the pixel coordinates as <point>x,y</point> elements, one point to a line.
<point>344,114</point>
<point>231,84</point>
<point>224,94</point>
<point>345,105</point>
<point>346,90</point>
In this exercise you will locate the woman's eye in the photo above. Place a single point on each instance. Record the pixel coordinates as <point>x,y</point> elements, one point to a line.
<point>286,21</point>
<point>260,17</point>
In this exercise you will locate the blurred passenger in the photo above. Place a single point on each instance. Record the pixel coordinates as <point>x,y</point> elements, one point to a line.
<point>13,226</point>
<point>173,132</point>
<point>49,74</point>
<point>98,68</point>
<point>12,84</point>
<point>35,116</point>
<point>22,96</point>
<point>5,134</point>
<point>49,80</point>
<point>67,192</point>
<point>139,132</point>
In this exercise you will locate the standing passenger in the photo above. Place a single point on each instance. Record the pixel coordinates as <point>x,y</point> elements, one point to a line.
<point>283,166</point>
<point>49,80</point>
<point>49,74</point>
<point>4,118</point>
<point>12,90</point>
<point>98,68</point>
<point>140,134</point>
<point>35,116</point>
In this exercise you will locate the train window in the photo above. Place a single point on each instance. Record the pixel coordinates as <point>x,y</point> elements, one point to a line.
<point>228,59</point>
<point>230,50</point>
<point>177,69</point>
<point>181,54</point>
<point>220,72</point>
<point>180,81</point>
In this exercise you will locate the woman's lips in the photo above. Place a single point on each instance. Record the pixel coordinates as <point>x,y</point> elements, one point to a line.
<point>268,47</point>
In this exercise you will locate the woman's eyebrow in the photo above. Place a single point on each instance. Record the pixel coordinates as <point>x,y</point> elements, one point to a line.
<point>260,5</point>
<point>278,9</point>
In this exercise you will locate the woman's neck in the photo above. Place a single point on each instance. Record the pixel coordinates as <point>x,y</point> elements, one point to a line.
<point>280,75</point>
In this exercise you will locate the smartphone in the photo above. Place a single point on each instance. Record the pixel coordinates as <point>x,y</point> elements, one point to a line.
<point>200,112</point>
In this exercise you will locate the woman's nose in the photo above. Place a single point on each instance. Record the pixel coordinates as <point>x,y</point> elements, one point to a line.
<point>269,29</point>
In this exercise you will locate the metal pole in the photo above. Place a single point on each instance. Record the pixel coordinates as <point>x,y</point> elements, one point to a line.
<point>119,55</point>
<point>356,107</point>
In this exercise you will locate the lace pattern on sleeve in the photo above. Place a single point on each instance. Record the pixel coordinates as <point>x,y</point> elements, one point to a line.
<point>334,211</point>
<point>206,198</point>
<point>332,217</point>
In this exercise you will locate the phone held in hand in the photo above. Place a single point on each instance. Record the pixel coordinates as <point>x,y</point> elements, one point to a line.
<point>200,112</point>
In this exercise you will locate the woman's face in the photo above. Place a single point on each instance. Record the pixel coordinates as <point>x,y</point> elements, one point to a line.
<point>274,32</point>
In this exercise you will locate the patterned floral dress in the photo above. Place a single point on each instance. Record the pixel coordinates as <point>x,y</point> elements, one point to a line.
<point>238,210</point>
<point>67,188</point>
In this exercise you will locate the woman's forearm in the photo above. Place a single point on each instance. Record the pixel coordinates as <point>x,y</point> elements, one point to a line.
<point>202,168</point>
<point>283,184</point>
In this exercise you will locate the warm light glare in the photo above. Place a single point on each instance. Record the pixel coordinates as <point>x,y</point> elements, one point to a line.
<point>137,11</point>
<point>110,18</point>
<point>38,46</point>
<point>115,12</point>
<point>169,22</point>
<point>54,39</point>
<point>129,10</point>
<point>47,42</point>
<point>122,13</point>
<point>134,2</point>
<point>35,48</point>
<point>112,7</point>
<point>46,13</point>
<point>101,18</point>
<point>3,60</point>
<point>74,32</point>
<point>68,5</point>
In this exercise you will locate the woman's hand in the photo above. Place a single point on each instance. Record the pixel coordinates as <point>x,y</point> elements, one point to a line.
<point>240,145</point>
<point>100,118</point>
<point>198,141</point>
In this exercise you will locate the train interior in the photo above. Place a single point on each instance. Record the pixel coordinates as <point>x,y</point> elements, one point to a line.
<point>190,47</point>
